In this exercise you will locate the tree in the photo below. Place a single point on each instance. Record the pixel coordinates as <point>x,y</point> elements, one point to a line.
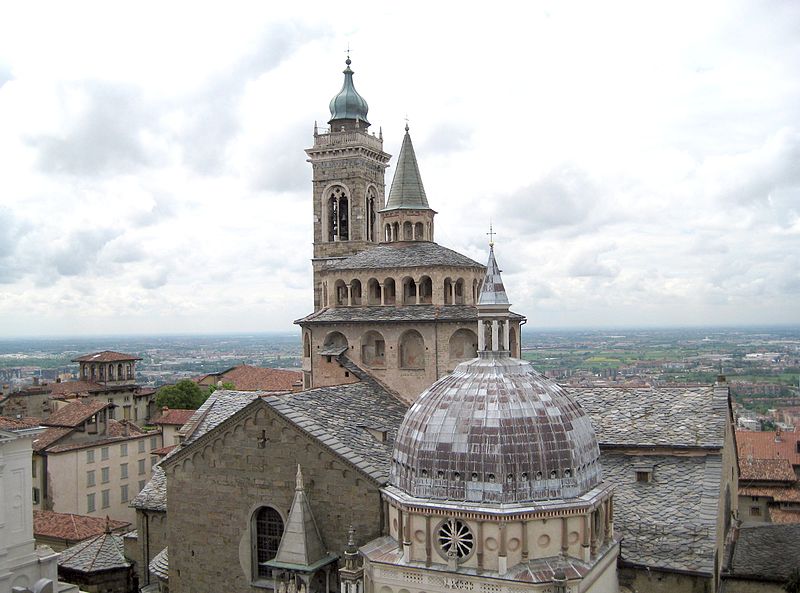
<point>185,395</point>
<point>225,385</point>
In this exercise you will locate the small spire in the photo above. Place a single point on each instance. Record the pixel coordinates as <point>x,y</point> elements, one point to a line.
<point>299,479</point>
<point>491,234</point>
<point>108,525</point>
<point>351,536</point>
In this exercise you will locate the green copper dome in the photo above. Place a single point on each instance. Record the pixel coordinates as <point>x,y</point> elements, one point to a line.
<point>348,104</point>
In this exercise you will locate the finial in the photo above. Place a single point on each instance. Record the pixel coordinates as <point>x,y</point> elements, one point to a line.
<point>406,122</point>
<point>491,234</point>
<point>108,524</point>
<point>351,536</point>
<point>347,61</point>
<point>299,478</point>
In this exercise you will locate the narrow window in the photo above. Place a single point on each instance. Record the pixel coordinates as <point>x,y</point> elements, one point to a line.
<point>103,453</point>
<point>106,498</point>
<point>141,445</point>
<point>269,531</point>
<point>123,450</point>
<point>90,508</point>
<point>123,470</point>
<point>90,478</point>
<point>104,475</point>
<point>123,493</point>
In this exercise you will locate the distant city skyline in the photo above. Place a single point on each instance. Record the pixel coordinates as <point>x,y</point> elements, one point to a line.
<point>639,163</point>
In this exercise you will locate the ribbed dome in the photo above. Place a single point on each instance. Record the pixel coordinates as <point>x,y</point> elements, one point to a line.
<point>495,430</point>
<point>348,104</point>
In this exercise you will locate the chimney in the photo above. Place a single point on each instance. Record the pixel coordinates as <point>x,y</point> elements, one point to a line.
<point>58,379</point>
<point>778,438</point>
<point>36,381</point>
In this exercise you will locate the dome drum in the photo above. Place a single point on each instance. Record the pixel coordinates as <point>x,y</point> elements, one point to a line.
<point>496,431</point>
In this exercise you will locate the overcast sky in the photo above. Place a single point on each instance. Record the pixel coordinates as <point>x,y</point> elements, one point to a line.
<point>640,161</point>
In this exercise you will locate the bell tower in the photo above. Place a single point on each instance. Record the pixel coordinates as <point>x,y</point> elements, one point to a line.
<point>348,164</point>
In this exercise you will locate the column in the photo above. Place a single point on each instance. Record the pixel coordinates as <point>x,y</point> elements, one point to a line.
<point>400,530</point>
<point>564,536</point>
<point>524,541</point>
<point>502,557</point>
<point>349,295</point>
<point>506,337</point>
<point>481,336</point>
<point>383,293</point>
<point>495,335</point>
<point>428,545</point>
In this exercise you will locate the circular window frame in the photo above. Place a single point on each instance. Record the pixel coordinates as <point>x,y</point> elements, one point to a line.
<point>437,541</point>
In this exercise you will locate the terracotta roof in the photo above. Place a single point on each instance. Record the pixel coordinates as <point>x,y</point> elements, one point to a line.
<point>71,527</point>
<point>18,423</point>
<point>250,378</point>
<point>74,387</point>
<point>762,445</point>
<point>163,450</point>
<point>48,437</point>
<point>106,356</point>
<point>784,516</point>
<point>777,494</point>
<point>174,417</point>
<point>766,470</point>
<point>116,434</point>
<point>75,414</point>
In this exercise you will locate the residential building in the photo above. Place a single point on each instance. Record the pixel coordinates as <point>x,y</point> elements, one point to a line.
<point>170,422</point>
<point>86,463</point>
<point>251,378</point>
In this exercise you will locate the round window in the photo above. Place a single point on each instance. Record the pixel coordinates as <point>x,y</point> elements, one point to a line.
<point>455,539</point>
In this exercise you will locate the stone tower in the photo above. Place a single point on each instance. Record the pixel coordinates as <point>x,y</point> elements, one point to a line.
<point>348,176</point>
<point>386,296</point>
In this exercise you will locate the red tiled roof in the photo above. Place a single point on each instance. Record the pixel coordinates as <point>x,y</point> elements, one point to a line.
<point>74,387</point>
<point>783,516</point>
<point>777,494</point>
<point>106,356</point>
<point>75,413</point>
<point>18,423</point>
<point>163,451</point>
<point>762,445</point>
<point>71,527</point>
<point>48,437</point>
<point>766,470</point>
<point>249,378</point>
<point>174,417</point>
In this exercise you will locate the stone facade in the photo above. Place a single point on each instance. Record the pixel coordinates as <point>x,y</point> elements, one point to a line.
<point>249,473</point>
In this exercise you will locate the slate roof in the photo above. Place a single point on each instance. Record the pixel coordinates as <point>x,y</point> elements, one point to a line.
<point>220,405</point>
<point>655,416</point>
<point>106,356</point>
<point>75,413</point>
<point>407,191</point>
<point>766,552</point>
<point>392,314</point>
<point>153,497</point>
<point>765,470</point>
<point>669,522</point>
<point>493,292</point>
<point>159,565</point>
<point>71,527</point>
<point>763,445</point>
<point>413,254</point>
<point>335,416</point>
<point>102,552</point>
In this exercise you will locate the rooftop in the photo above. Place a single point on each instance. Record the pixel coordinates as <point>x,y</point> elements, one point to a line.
<point>251,378</point>
<point>766,552</point>
<point>106,356</point>
<point>74,414</point>
<point>153,497</point>
<point>407,191</point>
<point>768,445</point>
<point>765,470</point>
<point>391,314</point>
<point>412,254</point>
<point>102,552</point>
<point>174,417</point>
<point>68,526</point>
<point>12,424</point>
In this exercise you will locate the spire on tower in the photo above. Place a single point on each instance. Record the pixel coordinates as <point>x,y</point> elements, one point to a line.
<point>348,106</point>
<point>407,190</point>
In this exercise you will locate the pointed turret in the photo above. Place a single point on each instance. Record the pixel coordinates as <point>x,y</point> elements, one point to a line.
<point>407,190</point>
<point>407,215</point>
<point>348,108</point>
<point>493,311</point>
<point>301,544</point>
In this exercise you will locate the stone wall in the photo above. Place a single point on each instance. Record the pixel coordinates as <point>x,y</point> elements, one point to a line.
<point>654,581</point>
<point>210,536</point>
<point>151,532</point>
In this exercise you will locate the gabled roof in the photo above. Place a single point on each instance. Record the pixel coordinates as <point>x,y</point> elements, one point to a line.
<point>153,497</point>
<point>413,254</point>
<point>407,191</point>
<point>13,424</point>
<point>655,416</point>
<point>49,437</point>
<point>74,414</point>
<point>765,470</point>
<point>118,431</point>
<point>220,405</point>
<point>74,387</point>
<point>72,527</point>
<point>102,552</point>
<point>106,356</point>
<point>251,378</point>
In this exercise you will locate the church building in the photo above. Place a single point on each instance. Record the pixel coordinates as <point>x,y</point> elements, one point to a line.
<point>423,455</point>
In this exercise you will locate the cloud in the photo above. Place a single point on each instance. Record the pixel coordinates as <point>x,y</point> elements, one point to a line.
<point>102,130</point>
<point>154,279</point>
<point>80,251</point>
<point>447,137</point>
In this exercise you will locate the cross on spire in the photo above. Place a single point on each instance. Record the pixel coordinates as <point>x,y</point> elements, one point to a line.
<point>491,234</point>
<point>406,122</point>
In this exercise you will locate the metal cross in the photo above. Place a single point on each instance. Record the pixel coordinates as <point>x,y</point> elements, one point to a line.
<point>491,234</point>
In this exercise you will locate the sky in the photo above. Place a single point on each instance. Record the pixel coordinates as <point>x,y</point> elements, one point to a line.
<point>640,162</point>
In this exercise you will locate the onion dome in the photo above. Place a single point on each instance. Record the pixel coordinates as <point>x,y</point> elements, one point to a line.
<point>348,104</point>
<point>495,430</point>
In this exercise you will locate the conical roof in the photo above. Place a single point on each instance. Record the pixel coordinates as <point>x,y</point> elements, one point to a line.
<point>301,544</point>
<point>348,104</point>
<point>493,292</point>
<point>407,190</point>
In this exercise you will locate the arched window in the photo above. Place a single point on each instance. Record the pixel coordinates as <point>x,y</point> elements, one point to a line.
<point>120,374</point>
<point>111,372</point>
<point>335,340</point>
<point>459,292</point>
<point>373,350</point>
<point>94,372</point>
<point>373,292</point>
<point>355,292</point>
<point>448,291</point>
<point>463,345</point>
<point>390,290</point>
<point>408,231</point>
<point>425,290</point>
<point>418,232</point>
<point>409,291</point>
<point>130,371</point>
<point>340,290</point>
<point>396,231</point>
<point>412,350</point>
<point>306,345</point>
<point>387,232</point>
<point>338,214</point>
<point>268,534</point>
